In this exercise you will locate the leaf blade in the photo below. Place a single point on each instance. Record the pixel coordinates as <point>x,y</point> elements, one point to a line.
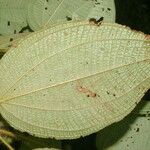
<point>77,77</point>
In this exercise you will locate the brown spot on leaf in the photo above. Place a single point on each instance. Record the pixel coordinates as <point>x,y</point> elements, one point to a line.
<point>92,94</point>
<point>85,90</point>
<point>147,37</point>
<point>13,45</point>
<point>108,106</point>
<point>82,89</point>
<point>65,33</point>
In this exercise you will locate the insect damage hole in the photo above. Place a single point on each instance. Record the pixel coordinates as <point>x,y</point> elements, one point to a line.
<point>11,39</point>
<point>68,18</point>
<point>98,22</point>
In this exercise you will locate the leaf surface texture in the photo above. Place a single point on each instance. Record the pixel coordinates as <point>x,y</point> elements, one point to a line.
<point>74,79</point>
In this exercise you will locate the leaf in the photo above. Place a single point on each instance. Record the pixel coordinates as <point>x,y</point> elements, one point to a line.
<point>45,12</point>
<point>16,14</point>
<point>74,79</point>
<point>131,133</point>
<point>12,16</point>
<point>8,41</point>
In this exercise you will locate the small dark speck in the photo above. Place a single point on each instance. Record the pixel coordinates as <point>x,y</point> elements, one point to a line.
<point>8,23</point>
<point>100,19</point>
<point>11,39</point>
<point>98,95</point>
<point>14,89</point>
<point>15,31</point>
<point>86,62</point>
<point>127,145</point>
<point>114,94</point>
<point>43,94</point>
<point>45,8</point>
<point>102,9</point>
<point>107,92</point>
<point>88,95</point>
<point>108,9</point>
<point>47,0</point>
<point>148,119</point>
<point>68,18</point>
<point>137,130</point>
<point>132,141</point>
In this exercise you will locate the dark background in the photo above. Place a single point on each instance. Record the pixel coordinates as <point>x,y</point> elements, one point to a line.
<point>134,13</point>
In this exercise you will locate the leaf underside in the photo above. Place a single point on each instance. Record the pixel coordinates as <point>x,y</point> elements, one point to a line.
<point>74,79</point>
<point>12,16</point>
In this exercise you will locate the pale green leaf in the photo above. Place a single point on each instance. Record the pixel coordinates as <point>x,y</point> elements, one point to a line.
<point>45,12</point>
<point>12,16</point>
<point>8,41</point>
<point>132,133</point>
<point>74,79</point>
